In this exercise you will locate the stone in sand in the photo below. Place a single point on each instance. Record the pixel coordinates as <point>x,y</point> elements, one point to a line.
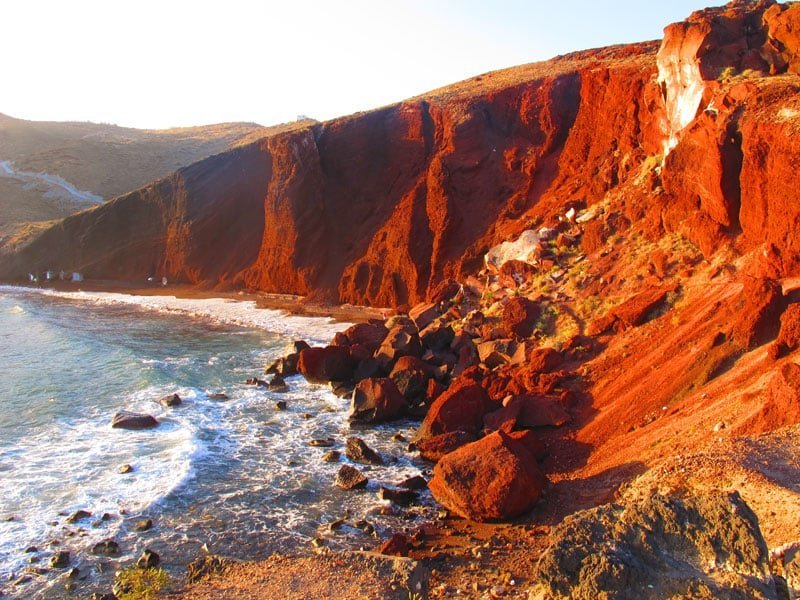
<point>106,548</point>
<point>143,525</point>
<point>123,469</point>
<point>78,515</point>
<point>60,560</point>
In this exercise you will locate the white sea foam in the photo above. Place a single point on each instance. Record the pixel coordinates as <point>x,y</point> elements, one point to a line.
<point>243,313</point>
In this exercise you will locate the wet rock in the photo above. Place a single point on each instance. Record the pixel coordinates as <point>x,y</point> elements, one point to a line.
<point>170,400</point>
<point>78,515</point>
<point>400,496</point>
<point>341,390</point>
<point>31,549</point>
<point>377,400</point>
<point>417,482</point>
<point>332,456</point>
<point>399,437</point>
<point>73,573</point>
<point>397,545</point>
<point>494,478</point>
<point>285,366</point>
<point>131,420</point>
<point>520,316</point>
<point>143,525</point>
<point>217,396</point>
<point>106,548</point>
<point>148,560</point>
<point>255,381</point>
<point>280,405</point>
<point>369,368</point>
<point>60,560</point>
<point>357,451</point>
<point>321,365</point>
<point>277,385</point>
<point>123,469</point>
<point>322,443</point>
<point>707,546</point>
<point>435,447</point>
<point>350,478</point>
<point>460,408</point>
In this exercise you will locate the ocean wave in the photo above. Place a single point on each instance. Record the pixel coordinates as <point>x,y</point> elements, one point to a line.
<point>242,313</point>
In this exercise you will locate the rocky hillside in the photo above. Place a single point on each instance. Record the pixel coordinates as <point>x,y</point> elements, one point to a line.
<point>49,170</point>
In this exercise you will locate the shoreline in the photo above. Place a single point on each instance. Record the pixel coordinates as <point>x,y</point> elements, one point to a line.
<point>289,303</point>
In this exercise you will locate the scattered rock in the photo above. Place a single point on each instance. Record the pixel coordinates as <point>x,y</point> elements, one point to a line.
<point>494,478</point>
<point>424,314</point>
<point>377,400</point>
<point>520,316</point>
<point>437,336</point>
<point>106,548</point>
<point>148,559</point>
<point>369,335</point>
<point>411,375</point>
<point>78,515</point>
<point>131,420</point>
<point>780,405</point>
<point>397,545</point>
<point>400,341</point>
<point>357,451</point>
<point>60,560</point>
<point>350,478</point>
<point>123,469</point>
<point>217,396</point>
<point>400,496</point>
<point>322,443</point>
<point>789,334</point>
<point>417,482</point>
<point>170,400</point>
<point>277,385</point>
<point>706,546</point>
<point>280,405</point>
<point>332,456</point>
<point>255,381</point>
<point>143,525</point>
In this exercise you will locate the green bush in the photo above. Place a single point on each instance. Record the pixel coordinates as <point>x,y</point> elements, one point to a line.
<point>133,583</point>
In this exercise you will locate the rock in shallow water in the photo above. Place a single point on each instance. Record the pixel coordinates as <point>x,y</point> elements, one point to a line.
<point>170,400</point>
<point>350,478</point>
<point>358,451</point>
<point>131,420</point>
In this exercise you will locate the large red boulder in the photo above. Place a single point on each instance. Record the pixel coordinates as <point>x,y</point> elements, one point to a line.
<point>495,478</point>
<point>369,335</point>
<point>520,316</point>
<point>321,365</point>
<point>377,400</point>
<point>460,408</point>
<point>435,447</point>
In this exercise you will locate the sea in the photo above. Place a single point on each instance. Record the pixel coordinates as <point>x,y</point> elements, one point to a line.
<point>233,477</point>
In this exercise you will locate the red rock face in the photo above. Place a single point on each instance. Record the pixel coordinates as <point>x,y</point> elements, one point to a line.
<point>380,207</point>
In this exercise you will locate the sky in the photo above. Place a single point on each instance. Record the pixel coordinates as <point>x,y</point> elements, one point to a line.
<point>171,63</point>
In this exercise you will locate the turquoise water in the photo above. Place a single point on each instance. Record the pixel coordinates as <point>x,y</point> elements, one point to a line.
<point>235,477</point>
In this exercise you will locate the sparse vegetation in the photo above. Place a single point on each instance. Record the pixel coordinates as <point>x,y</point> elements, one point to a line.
<point>133,583</point>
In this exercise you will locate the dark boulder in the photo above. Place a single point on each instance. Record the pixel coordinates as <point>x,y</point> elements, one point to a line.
<point>350,478</point>
<point>377,400</point>
<point>460,408</point>
<point>148,559</point>
<point>131,420</point>
<point>401,340</point>
<point>358,451</point>
<point>410,375</point>
<point>520,316</point>
<point>170,400</point>
<point>321,365</point>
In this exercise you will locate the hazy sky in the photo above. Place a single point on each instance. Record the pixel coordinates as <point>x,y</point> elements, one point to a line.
<point>166,63</point>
